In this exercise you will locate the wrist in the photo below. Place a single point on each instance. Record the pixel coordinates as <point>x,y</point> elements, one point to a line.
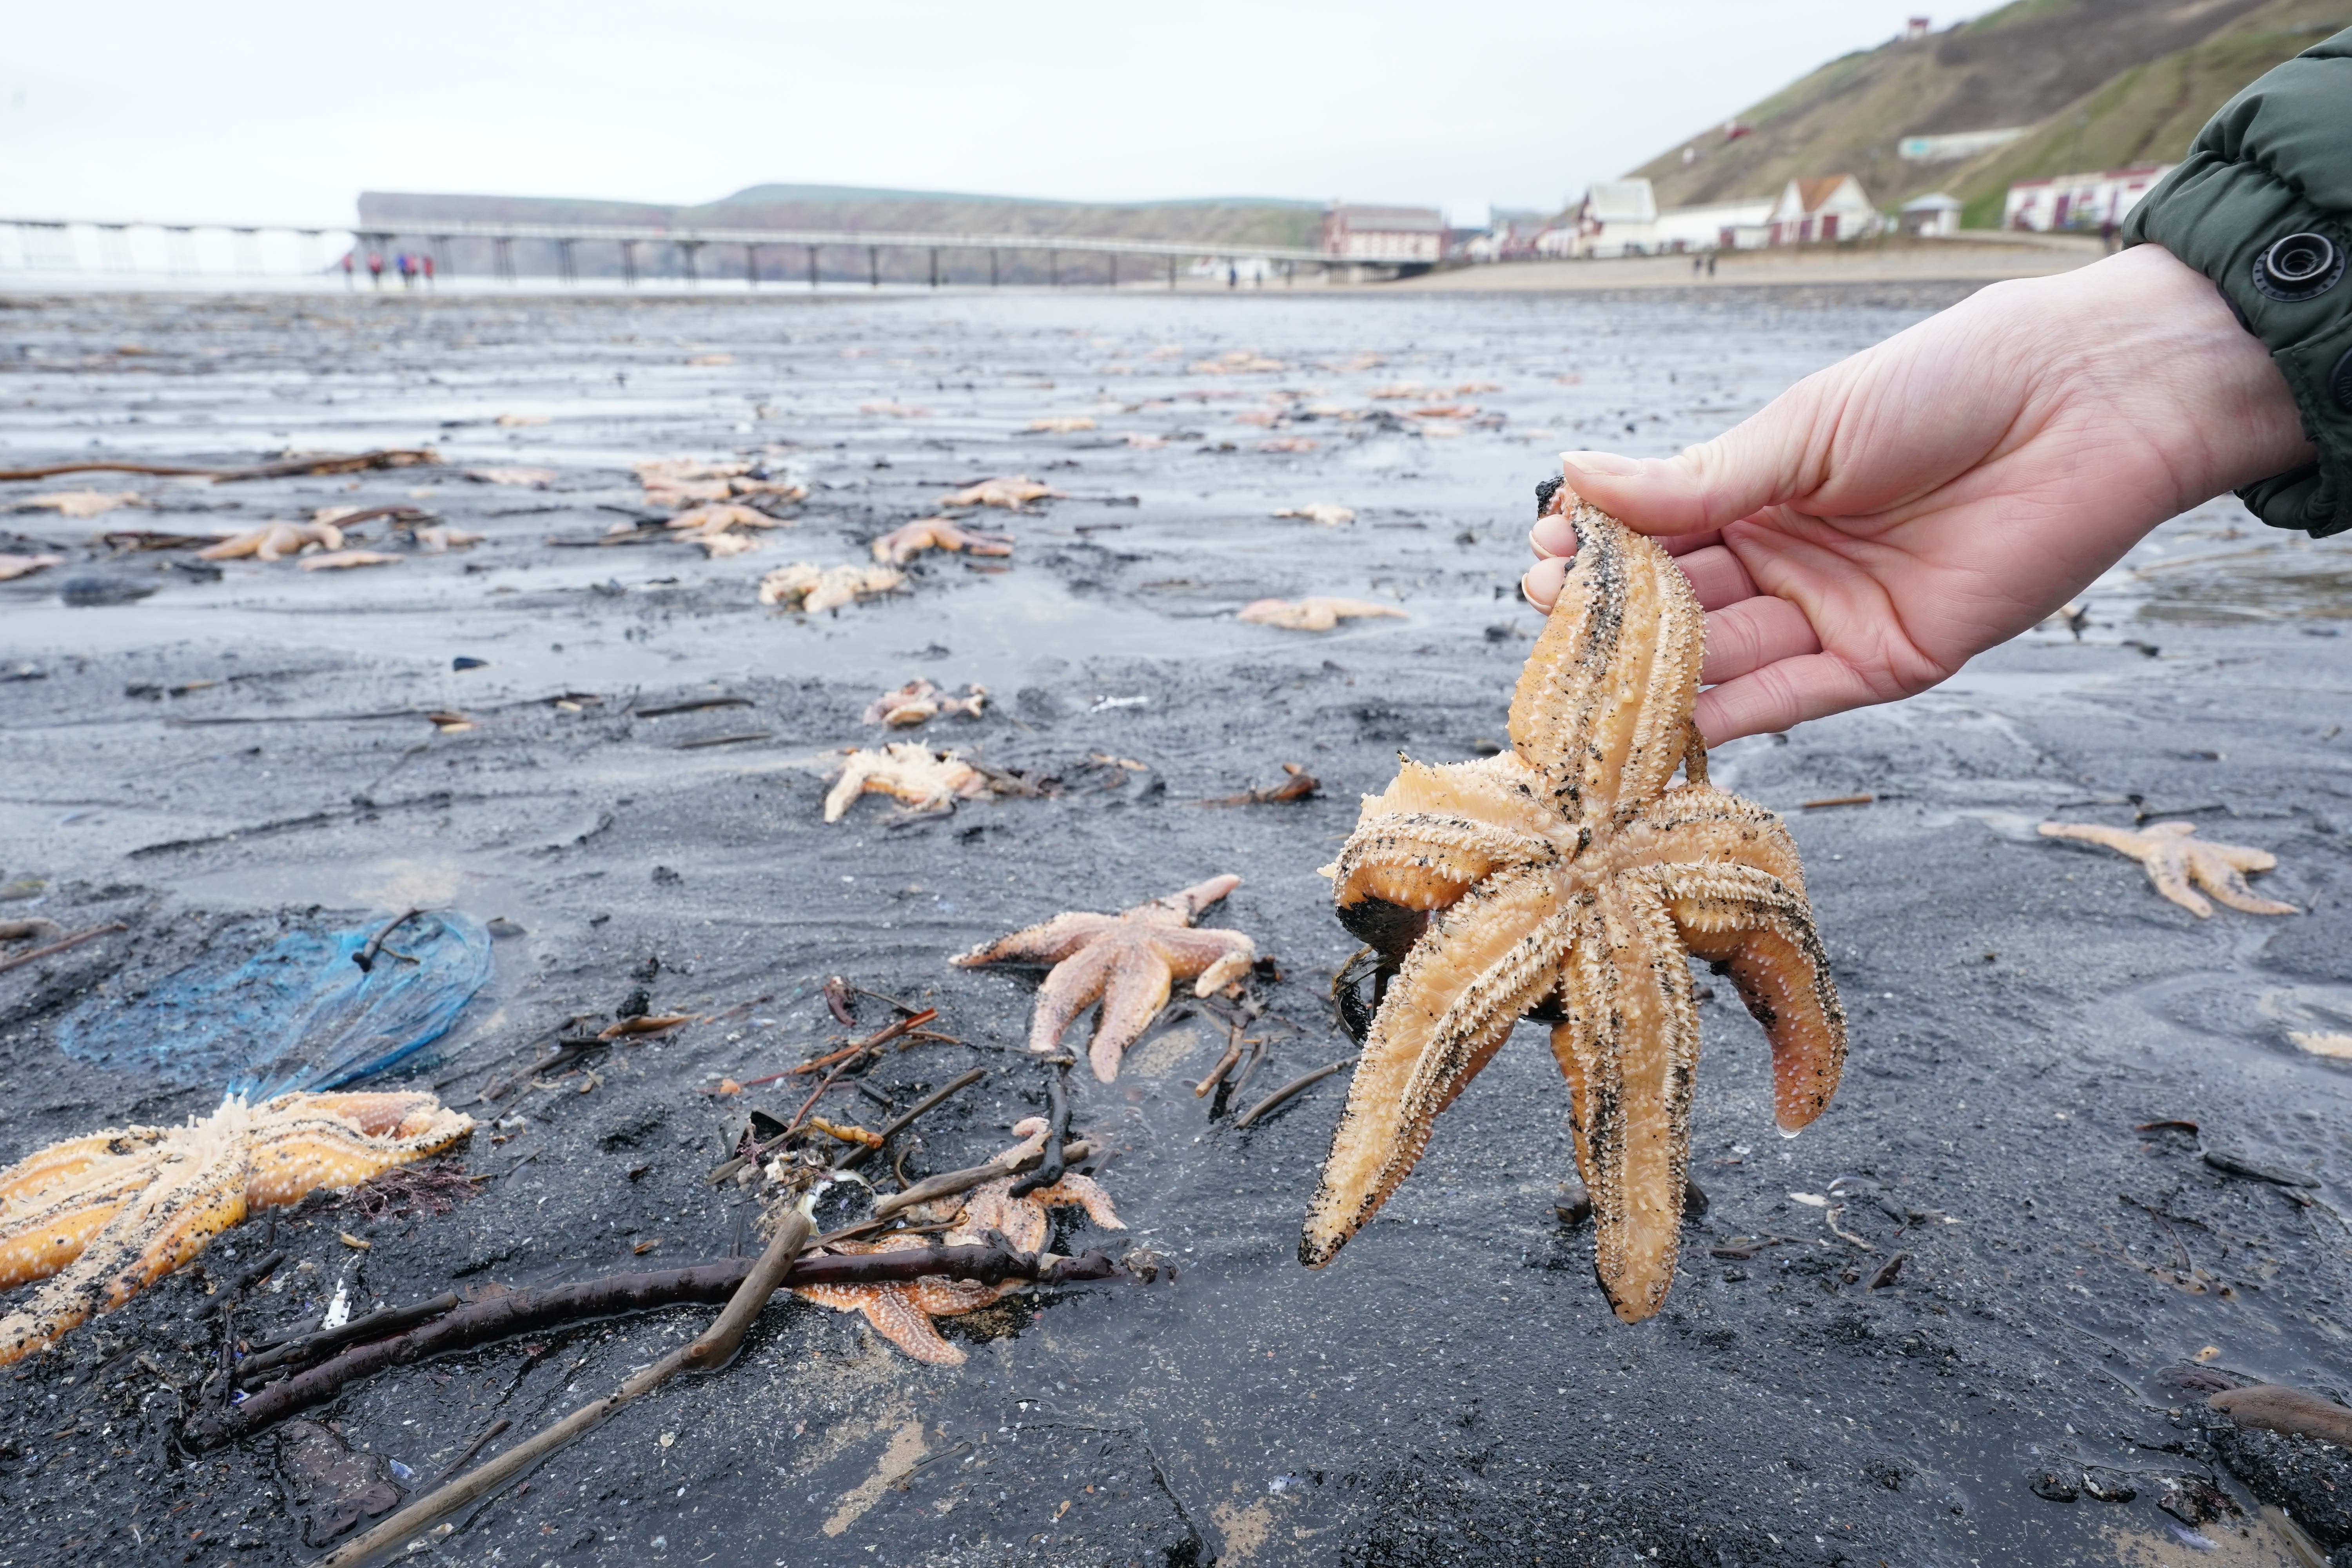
<point>2154,340</point>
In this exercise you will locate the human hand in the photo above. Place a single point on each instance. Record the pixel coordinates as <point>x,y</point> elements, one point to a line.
<point>1884,521</point>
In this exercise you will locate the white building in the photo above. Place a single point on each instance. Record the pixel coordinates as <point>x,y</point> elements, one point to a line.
<point>1384,234</point>
<point>2079,201</point>
<point>1716,225</point>
<point>1617,217</point>
<point>1931,217</point>
<point>1832,207</point>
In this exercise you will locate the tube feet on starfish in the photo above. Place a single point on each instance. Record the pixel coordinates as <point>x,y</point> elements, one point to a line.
<point>1570,874</point>
<point>1128,962</point>
<point>100,1218</point>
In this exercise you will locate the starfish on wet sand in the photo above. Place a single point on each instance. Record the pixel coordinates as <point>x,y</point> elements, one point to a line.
<point>678,481</point>
<point>921,777</point>
<point>2174,859</point>
<point>902,1312</point>
<point>78,503</point>
<point>343,560</point>
<point>1317,614</point>
<point>918,702</point>
<point>1322,513</point>
<point>715,518</point>
<point>1010,491</point>
<point>14,566</point>
<point>803,586</point>
<point>1128,962</point>
<point>901,545</point>
<point>102,1218</point>
<point>1565,871</point>
<point>272,539</point>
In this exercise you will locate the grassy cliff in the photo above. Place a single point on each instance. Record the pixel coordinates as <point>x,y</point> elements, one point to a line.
<point>2101,82</point>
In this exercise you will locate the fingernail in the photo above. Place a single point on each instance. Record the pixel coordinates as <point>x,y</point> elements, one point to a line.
<point>1551,537</point>
<point>1607,464</point>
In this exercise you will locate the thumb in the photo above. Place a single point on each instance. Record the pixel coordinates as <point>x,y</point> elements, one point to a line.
<point>1773,455</point>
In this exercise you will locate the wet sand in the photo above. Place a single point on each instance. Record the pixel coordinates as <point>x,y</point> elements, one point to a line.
<point>1452,1389</point>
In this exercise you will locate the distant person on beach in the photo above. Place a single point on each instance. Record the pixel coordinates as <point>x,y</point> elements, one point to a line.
<point>347,268</point>
<point>428,269</point>
<point>375,268</point>
<point>1886,519</point>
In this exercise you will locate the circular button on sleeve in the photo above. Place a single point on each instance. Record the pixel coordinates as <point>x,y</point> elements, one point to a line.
<point>2300,267</point>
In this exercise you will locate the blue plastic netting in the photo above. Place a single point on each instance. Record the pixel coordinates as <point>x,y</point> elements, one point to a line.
<point>301,1016</point>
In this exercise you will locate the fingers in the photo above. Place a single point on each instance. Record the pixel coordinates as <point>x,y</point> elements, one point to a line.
<point>1716,576</point>
<point>1744,637</point>
<point>1554,535</point>
<point>1781,695</point>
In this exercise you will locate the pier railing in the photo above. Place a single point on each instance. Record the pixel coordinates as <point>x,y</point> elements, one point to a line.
<point>565,254</point>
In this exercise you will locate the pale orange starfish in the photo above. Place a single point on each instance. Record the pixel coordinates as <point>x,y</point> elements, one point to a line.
<point>1010,491</point>
<point>2173,860</point>
<point>1315,614</point>
<point>1126,961</point>
<point>272,539</point>
<point>901,545</point>
<point>102,1218</point>
<point>902,1312</point>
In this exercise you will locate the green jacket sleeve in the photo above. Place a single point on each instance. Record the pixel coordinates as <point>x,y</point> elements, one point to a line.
<point>2263,206</point>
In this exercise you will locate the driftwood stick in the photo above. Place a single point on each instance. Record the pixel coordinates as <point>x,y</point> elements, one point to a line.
<point>1288,1090</point>
<point>324,463</point>
<point>365,957</point>
<point>380,1325</point>
<point>963,1181</point>
<point>90,933</point>
<point>905,1118</point>
<point>1057,1131</point>
<point>714,1347</point>
<point>1224,1063</point>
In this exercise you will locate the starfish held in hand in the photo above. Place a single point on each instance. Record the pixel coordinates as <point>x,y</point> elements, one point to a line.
<point>1564,870</point>
<point>2173,860</point>
<point>1128,961</point>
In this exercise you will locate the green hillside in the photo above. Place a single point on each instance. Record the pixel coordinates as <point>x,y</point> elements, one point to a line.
<point>2101,82</point>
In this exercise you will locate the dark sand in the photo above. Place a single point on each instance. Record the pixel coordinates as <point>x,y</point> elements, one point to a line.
<point>1452,1390</point>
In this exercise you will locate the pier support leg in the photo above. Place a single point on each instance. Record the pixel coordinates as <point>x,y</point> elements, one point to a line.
<point>1052,269</point>
<point>751,267</point>
<point>504,249</point>
<point>1114,268</point>
<point>991,267</point>
<point>1172,275</point>
<point>812,269</point>
<point>687,253</point>
<point>935,267</point>
<point>629,262</point>
<point>873,267</point>
<point>445,257</point>
<point>563,264</point>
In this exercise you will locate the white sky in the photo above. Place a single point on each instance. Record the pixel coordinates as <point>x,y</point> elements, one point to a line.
<point>283,111</point>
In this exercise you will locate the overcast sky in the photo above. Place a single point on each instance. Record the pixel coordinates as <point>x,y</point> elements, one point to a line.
<point>273,111</point>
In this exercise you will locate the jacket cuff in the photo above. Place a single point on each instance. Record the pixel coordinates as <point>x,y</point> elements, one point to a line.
<point>2227,217</point>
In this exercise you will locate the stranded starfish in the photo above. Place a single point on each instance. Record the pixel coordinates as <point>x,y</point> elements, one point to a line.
<point>102,1218</point>
<point>272,539</point>
<point>920,701</point>
<point>2174,860</point>
<point>901,545</point>
<point>1126,961</point>
<point>802,586</point>
<point>917,774</point>
<point>902,1313</point>
<point>1564,870</point>
<point>1312,614</point>
<point>1012,492</point>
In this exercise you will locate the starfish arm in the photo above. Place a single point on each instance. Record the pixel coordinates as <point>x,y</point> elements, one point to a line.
<point>1630,1053</point>
<point>1698,823</point>
<point>2219,874</point>
<point>42,1234</point>
<point>1137,990</point>
<point>401,1114</point>
<point>197,1193</point>
<point>2169,868</point>
<point>1022,1222</point>
<point>1210,954</point>
<point>1082,1192</point>
<point>299,1144</point>
<point>1601,705</point>
<point>1419,860</point>
<point>894,1316</point>
<point>1184,906</point>
<point>937,1296</point>
<point>850,786</point>
<point>1071,985</point>
<point>1231,966</point>
<point>1758,930</point>
<point>1048,944</point>
<point>44,1170</point>
<point>1462,989</point>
